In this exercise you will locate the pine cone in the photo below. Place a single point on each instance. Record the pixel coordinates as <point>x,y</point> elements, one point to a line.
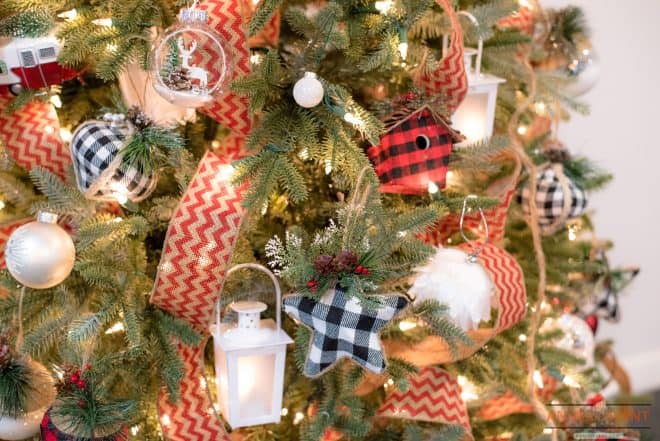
<point>138,118</point>
<point>345,261</point>
<point>178,79</point>
<point>323,265</point>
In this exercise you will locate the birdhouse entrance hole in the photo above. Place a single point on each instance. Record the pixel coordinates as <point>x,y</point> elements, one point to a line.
<point>423,142</point>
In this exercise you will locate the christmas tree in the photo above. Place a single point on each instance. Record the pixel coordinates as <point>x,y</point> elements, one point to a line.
<point>391,167</point>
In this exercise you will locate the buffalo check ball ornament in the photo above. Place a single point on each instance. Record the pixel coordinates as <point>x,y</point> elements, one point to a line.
<point>342,328</point>
<point>558,199</point>
<point>101,174</point>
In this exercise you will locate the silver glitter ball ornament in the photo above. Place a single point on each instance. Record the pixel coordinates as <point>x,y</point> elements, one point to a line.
<point>40,254</point>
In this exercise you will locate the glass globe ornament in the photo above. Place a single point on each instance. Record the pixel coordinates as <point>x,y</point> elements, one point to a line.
<point>190,62</point>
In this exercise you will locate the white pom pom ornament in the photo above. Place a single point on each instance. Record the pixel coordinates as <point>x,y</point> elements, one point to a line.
<point>308,91</point>
<point>453,277</point>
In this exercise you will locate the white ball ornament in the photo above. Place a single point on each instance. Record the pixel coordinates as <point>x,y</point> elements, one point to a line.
<point>308,91</point>
<point>40,254</point>
<point>454,278</point>
<point>578,338</point>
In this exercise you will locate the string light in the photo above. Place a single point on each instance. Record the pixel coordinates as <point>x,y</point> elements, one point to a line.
<point>433,188</point>
<point>66,135</point>
<point>111,47</point>
<point>215,144</point>
<point>298,418</point>
<point>121,198</point>
<point>135,430</point>
<point>538,379</point>
<point>71,14</point>
<point>304,154</point>
<point>468,389</point>
<point>103,22</point>
<point>256,59</point>
<point>350,118</point>
<point>547,431</point>
<point>202,383</point>
<point>525,4</point>
<point>522,337</point>
<point>284,412</point>
<point>403,50</point>
<point>570,382</point>
<point>406,325</point>
<point>328,166</point>
<point>2,205</point>
<point>224,174</point>
<point>117,327</point>
<point>165,420</point>
<point>56,101</point>
<point>522,130</point>
<point>384,6</point>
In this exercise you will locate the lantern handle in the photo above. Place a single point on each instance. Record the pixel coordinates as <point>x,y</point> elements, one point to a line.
<point>276,284</point>
<point>480,44</point>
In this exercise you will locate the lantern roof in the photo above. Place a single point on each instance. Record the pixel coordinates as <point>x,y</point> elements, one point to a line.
<point>233,338</point>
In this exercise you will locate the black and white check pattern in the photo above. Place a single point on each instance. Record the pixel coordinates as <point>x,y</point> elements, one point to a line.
<point>94,146</point>
<point>343,329</point>
<point>550,198</point>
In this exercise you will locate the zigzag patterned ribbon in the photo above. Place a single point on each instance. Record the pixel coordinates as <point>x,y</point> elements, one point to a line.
<point>450,78</point>
<point>433,395</point>
<point>269,35</point>
<point>198,246</point>
<point>522,19</point>
<point>227,18</point>
<point>32,136</point>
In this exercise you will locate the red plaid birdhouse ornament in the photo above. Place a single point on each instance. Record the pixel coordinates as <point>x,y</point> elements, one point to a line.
<point>413,156</point>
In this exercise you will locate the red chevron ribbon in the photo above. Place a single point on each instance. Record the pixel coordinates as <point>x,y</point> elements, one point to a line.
<point>450,78</point>
<point>433,395</point>
<point>226,17</point>
<point>198,246</point>
<point>522,19</point>
<point>32,136</point>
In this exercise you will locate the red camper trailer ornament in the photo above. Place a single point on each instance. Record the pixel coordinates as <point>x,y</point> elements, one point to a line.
<point>412,158</point>
<point>31,63</point>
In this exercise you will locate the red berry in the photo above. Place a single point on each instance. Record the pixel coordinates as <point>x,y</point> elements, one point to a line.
<point>358,269</point>
<point>75,378</point>
<point>82,404</point>
<point>592,401</point>
<point>365,271</point>
<point>81,384</point>
<point>312,283</point>
<point>88,366</point>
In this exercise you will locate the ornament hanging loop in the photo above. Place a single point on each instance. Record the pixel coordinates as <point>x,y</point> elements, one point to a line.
<point>476,250</point>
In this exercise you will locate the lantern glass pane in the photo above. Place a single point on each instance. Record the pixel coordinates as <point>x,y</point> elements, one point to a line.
<point>471,117</point>
<point>255,385</point>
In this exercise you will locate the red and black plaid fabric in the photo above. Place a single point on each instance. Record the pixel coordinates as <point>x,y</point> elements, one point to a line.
<point>413,154</point>
<point>50,432</point>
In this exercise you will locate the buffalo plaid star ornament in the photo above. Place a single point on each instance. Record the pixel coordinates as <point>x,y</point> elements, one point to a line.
<point>342,328</point>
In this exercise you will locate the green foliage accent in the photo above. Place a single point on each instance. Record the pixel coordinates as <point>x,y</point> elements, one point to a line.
<point>33,22</point>
<point>261,16</point>
<point>143,150</point>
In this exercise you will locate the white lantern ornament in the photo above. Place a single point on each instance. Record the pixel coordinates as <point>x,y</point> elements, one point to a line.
<point>475,117</point>
<point>249,360</point>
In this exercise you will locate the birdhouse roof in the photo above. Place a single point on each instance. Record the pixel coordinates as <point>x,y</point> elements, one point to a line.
<point>404,113</point>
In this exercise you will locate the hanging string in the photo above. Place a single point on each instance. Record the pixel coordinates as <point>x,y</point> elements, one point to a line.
<point>19,336</point>
<point>356,204</point>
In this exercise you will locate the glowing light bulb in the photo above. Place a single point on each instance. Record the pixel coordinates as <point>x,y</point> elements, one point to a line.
<point>121,198</point>
<point>384,6</point>
<point>224,174</point>
<point>522,130</point>
<point>103,22</point>
<point>71,14</point>
<point>135,430</point>
<point>117,327</point>
<point>285,411</point>
<point>66,135</point>
<point>403,50</point>
<point>304,154</point>
<point>350,118</point>
<point>570,382</point>
<point>256,59</point>
<point>538,379</point>
<point>111,47</point>
<point>407,325</point>
<point>298,418</point>
<point>49,129</point>
<point>328,166</point>
<point>525,4</point>
<point>165,420</point>
<point>547,431</point>
<point>433,188</point>
<point>468,390</point>
<point>56,101</point>
<point>522,337</point>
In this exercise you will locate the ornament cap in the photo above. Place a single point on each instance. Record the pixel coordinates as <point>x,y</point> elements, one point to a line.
<point>191,15</point>
<point>46,217</point>
<point>309,74</point>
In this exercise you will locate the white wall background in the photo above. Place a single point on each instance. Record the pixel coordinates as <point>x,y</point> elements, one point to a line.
<point>622,134</point>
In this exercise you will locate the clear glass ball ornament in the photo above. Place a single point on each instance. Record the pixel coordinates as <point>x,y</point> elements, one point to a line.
<point>190,62</point>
